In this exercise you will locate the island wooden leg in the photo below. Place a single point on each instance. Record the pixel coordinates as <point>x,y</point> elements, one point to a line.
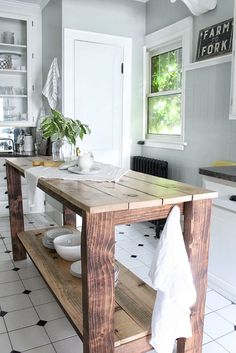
<point>15,211</point>
<point>197,216</point>
<point>69,217</point>
<point>98,243</point>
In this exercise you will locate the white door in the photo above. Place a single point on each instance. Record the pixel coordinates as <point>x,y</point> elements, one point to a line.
<point>98,93</point>
<point>98,98</point>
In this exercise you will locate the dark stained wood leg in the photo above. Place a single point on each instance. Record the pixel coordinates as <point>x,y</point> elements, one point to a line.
<point>15,211</point>
<point>69,217</point>
<point>197,216</point>
<point>98,243</point>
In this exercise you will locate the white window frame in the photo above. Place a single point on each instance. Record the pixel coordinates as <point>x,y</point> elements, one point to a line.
<point>174,36</point>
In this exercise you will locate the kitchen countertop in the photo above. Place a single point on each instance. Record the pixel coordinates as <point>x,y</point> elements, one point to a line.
<point>16,154</point>
<point>224,172</point>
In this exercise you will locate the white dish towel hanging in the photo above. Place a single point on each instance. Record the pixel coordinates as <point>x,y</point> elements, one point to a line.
<point>171,276</point>
<point>50,88</point>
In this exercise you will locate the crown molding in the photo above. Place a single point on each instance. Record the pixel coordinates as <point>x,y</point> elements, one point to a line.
<point>21,4</point>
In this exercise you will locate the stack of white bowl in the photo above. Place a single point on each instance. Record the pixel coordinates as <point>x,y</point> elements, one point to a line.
<point>67,243</point>
<point>68,246</point>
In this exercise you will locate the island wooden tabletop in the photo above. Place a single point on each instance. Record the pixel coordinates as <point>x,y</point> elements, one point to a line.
<point>133,191</point>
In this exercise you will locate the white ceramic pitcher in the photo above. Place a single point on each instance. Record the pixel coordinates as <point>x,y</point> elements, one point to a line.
<point>85,161</point>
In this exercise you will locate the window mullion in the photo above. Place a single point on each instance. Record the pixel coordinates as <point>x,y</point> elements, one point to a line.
<point>164,93</point>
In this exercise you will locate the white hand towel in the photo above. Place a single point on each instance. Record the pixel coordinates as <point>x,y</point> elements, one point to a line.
<point>50,87</point>
<point>34,193</point>
<point>171,275</point>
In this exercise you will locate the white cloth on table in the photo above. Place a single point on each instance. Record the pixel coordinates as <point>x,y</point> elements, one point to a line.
<point>50,87</point>
<point>172,278</point>
<point>34,193</point>
<point>107,172</point>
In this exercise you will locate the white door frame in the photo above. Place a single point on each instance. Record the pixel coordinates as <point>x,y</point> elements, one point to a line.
<point>68,101</point>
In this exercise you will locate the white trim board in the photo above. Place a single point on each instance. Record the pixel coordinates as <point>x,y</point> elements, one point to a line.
<point>69,36</point>
<point>222,287</point>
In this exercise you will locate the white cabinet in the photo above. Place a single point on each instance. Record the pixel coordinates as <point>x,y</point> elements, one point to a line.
<point>20,64</point>
<point>222,260</point>
<point>232,110</point>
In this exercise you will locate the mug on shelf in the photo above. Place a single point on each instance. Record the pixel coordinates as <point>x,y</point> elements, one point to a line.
<point>8,37</point>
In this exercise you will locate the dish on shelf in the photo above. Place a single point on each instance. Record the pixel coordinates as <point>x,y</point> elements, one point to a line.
<point>7,108</point>
<point>51,234</point>
<point>76,270</point>
<point>77,170</point>
<point>68,246</point>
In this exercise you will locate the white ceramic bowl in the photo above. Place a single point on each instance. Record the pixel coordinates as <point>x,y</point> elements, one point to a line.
<point>68,246</point>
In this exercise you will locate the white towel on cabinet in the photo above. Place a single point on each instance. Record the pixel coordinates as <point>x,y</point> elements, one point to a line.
<point>50,87</point>
<point>171,275</point>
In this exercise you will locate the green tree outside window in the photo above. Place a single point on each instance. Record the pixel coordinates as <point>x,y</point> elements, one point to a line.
<point>164,103</point>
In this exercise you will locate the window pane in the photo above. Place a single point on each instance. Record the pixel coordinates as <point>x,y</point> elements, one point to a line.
<point>166,71</point>
<point>164,115</point>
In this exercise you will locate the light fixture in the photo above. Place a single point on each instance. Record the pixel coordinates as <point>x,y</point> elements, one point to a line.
<point>198,7</point>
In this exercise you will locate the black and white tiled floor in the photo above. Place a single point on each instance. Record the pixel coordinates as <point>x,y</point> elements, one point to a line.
<point>31,320</point>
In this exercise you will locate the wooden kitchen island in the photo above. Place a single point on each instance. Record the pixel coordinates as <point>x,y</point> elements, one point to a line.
<point>108,319</point>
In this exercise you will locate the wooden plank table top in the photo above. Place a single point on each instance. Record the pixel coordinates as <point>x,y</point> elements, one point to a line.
<point>136,197</point>
<point>133,191</point>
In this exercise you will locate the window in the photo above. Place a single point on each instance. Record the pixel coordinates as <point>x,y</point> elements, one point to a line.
<point>164,101</point>
<point>168,51</point>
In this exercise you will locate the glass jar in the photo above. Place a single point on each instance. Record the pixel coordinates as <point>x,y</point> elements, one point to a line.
<point>62,150</point>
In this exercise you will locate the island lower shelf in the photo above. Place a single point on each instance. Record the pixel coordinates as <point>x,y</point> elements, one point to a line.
<point>134,298</point>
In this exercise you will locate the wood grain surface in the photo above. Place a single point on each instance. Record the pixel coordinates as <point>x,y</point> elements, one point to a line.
<point>133,304</point>
<point>15,211</point>
<point>196,236</point>
<point>133,191</point>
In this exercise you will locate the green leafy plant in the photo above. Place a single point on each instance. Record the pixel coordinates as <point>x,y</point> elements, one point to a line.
<point>56,126</point>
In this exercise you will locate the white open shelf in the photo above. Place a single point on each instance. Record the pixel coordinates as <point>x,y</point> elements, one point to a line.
<point>10,52</point>
<point>209,62</point>
<point>13,72</point>
<point>6,45</point>
<point>13,96</point>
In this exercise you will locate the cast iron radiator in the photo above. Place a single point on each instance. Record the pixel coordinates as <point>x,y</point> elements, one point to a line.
<point>150,166</point>
<point>154,167</point>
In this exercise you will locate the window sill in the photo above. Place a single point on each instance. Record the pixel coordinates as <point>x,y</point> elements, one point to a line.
<point>166,145</point>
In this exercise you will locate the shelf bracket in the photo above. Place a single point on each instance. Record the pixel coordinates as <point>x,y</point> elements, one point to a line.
<point>198,7</point>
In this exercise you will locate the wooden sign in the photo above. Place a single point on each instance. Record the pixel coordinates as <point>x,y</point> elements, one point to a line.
<point>215,40</point>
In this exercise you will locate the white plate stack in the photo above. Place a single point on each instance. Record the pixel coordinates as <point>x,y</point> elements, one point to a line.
<point>51,234</point>
<point>76,270</point>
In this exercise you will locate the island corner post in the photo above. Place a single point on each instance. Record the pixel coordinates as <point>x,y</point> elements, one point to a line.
<point>98,308</point>
<point>15,210</point>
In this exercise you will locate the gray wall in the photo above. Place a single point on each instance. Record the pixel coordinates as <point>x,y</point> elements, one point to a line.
<point>51,40</point>
<point>116,17</point>
<point>209,133</point>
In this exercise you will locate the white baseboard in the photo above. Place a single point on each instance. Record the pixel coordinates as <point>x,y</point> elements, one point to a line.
<point>222,287</point>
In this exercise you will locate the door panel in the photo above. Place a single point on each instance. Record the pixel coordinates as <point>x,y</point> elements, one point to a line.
<point>98,98</point>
